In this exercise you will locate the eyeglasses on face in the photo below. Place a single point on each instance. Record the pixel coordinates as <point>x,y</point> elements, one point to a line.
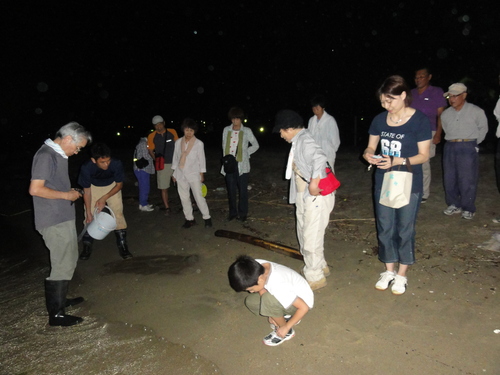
<point>453,96</point>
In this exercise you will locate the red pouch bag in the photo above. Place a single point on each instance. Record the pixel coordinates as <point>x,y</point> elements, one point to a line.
<point>330,183</point>
<point>159,163</point>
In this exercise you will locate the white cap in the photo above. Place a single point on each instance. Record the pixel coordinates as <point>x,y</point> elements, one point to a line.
<point>456,89</point>
<point>157,119</point>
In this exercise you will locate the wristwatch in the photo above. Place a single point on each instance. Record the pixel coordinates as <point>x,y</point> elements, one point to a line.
<point>404,162</point>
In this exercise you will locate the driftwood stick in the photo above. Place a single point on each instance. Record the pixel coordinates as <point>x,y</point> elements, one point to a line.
<point>278,248</point>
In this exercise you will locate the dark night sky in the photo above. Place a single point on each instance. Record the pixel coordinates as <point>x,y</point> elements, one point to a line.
<point>119,63</point>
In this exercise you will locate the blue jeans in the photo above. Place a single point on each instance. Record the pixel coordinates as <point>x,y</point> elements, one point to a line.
<point>461,173</point>
<point>237,183</point>
<point>396,230</point>
<point>143,180</point>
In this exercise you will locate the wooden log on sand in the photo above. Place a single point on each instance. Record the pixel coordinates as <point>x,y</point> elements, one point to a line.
<point>276,247</point>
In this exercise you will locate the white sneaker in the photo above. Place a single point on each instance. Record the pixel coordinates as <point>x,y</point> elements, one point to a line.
<point>452,210</point>
<point>399,285</point>
<point>467,215</point>
<point>385,279</point>
<point>147,208</point>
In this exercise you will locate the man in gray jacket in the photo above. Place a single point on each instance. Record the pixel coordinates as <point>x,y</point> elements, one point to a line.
<point>306,167</point>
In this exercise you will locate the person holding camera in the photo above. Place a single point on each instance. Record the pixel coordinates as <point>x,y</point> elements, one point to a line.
<point>239,142</point>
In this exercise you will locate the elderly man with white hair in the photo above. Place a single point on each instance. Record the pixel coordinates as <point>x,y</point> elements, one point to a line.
<point>53,200</point>
<point>465,126</point>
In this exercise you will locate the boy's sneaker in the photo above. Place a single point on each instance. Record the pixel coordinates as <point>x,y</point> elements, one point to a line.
<point>385,279</point>
<point>399,285</point>
<point>467,215</point>
<point>274,340</point>
<point>496,220</point>
<point>147,208</point>
<point>452,210</point>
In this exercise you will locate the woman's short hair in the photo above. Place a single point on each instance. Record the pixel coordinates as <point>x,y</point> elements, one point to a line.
<point>75,131</point>
<point>189,123</point>
<point>394,86</point>
<point>318,100</point>
<point>236,112</point>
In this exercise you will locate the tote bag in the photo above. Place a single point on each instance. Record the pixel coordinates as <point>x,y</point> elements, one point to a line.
<point>396,188</point>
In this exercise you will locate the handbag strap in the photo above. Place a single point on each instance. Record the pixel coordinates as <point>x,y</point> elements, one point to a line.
<point>408,165</point>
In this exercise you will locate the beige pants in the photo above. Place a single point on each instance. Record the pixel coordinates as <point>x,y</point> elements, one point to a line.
<point>426,170</point>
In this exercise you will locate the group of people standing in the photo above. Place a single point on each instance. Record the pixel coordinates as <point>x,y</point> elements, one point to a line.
<point>182,160</point>
<point>407,134</point>
<point>404,134</point>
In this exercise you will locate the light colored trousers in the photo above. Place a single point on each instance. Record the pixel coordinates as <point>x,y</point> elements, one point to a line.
<point>313,215</point>
<point>426,170</point>
<point>183,187</point>
<point>62,242</point>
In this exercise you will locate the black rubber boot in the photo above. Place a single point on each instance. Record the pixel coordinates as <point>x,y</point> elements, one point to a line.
<point>87,246</point>
<point>55,299</point>
<point>121,242</point>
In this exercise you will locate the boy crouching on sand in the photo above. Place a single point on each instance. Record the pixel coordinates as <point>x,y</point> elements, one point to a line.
<point>277,292</point>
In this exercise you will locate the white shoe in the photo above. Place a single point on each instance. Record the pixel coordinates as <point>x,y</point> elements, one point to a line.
<point>385,279</point>
<point>147,208</point>
<point>452,210</point>
<point>399,285</point>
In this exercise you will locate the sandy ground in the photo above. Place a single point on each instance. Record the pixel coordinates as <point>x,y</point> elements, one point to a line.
<point>170,309</point>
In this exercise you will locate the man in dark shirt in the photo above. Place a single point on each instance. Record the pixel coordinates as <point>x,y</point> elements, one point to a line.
<point>161,144</point>
<point>102,181</point>
<point>55,216</point>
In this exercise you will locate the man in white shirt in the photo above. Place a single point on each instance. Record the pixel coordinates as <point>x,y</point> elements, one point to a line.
<point>324,129</point>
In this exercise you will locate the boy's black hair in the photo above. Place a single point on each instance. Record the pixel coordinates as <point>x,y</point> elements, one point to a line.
<point>244,273</point>
<point>100,150</point>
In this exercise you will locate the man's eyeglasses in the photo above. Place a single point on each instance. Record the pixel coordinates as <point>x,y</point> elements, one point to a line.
<point>453,96</point>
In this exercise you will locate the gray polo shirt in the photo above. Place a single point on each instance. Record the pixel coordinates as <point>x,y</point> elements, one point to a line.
<point>51,167</point>
<point>468,123</point>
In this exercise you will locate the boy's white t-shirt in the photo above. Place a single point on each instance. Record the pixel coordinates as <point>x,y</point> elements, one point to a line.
<point>286,285</point>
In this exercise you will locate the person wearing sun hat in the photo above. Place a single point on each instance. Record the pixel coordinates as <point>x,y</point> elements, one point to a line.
<point>465,126</point>
<point>305,168</point>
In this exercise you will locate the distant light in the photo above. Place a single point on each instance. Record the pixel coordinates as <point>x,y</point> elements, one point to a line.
<point>195,32</point>
<point>245,121</point>
<point>362,118</point>
<point>261,129</point>
<point>118,134</point>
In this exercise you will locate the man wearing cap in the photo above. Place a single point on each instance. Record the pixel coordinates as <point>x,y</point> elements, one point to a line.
<point>305,168</point>
<point>161,143</point>
<point>429,100</point>
<point>465,126</point>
